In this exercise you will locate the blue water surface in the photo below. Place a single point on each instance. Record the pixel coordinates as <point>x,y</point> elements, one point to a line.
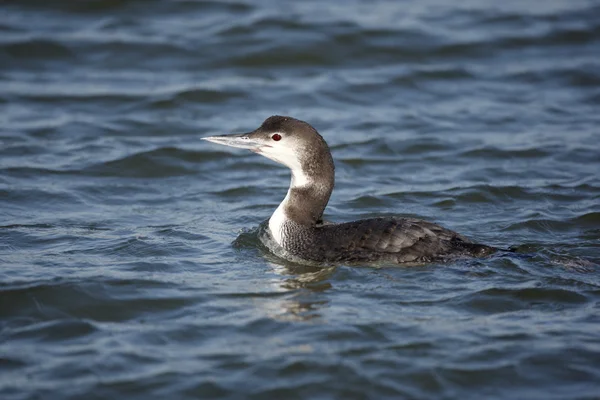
<point>130,262</point>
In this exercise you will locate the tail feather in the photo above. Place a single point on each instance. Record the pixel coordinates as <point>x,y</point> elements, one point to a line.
<point>476,249</point>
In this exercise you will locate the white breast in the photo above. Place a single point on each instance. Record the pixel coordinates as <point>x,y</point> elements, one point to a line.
<point>277,220</point>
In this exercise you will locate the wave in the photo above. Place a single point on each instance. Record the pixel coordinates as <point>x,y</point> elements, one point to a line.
<point>158,163</point>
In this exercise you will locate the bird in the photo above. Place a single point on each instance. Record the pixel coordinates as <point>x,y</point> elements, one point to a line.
<point>297,225</point>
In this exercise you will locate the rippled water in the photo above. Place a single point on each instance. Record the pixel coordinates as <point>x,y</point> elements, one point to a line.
<point>130,262</point>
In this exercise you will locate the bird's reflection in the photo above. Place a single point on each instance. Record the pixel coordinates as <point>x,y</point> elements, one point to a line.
<point>307,286</point>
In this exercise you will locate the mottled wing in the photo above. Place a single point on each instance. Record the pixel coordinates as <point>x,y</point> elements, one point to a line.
<point>393,239</point>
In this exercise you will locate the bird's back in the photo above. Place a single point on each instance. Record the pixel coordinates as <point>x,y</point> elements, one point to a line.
<point>389,239</point>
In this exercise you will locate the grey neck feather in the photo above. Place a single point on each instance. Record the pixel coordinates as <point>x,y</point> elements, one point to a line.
<point>305,204</point>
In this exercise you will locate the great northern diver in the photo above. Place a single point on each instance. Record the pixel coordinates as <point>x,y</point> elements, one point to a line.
<point>297,225</point>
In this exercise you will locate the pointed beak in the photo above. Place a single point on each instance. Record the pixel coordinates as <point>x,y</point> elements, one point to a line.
<point>243,141</point>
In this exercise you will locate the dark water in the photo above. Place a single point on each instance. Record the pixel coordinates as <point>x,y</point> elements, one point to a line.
<point>130,263</point>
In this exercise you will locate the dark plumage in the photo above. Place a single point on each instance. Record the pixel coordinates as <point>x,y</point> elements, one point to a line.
<point>297,223</point>
<point>388,239</point>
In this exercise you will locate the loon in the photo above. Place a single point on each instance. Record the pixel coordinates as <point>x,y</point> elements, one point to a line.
<point>297,224</point>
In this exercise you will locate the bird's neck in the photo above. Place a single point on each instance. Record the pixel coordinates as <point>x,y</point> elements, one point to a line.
<point>306,202</point>
<point>308,195</point>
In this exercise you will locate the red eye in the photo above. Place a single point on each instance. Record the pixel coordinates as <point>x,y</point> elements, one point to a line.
<point>276,137</point>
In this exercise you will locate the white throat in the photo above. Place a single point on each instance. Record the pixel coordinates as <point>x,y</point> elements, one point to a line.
<point>277,221</point>
<point>279,217</point>
<point>288,156</point>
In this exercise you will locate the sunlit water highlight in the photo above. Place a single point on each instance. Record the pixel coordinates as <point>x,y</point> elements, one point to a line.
<point>131,261</point>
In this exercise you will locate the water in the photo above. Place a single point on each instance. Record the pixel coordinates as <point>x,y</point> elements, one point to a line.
<point>131,266</point>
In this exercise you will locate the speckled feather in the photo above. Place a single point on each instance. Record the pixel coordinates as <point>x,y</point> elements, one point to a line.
<point>391,239</point>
